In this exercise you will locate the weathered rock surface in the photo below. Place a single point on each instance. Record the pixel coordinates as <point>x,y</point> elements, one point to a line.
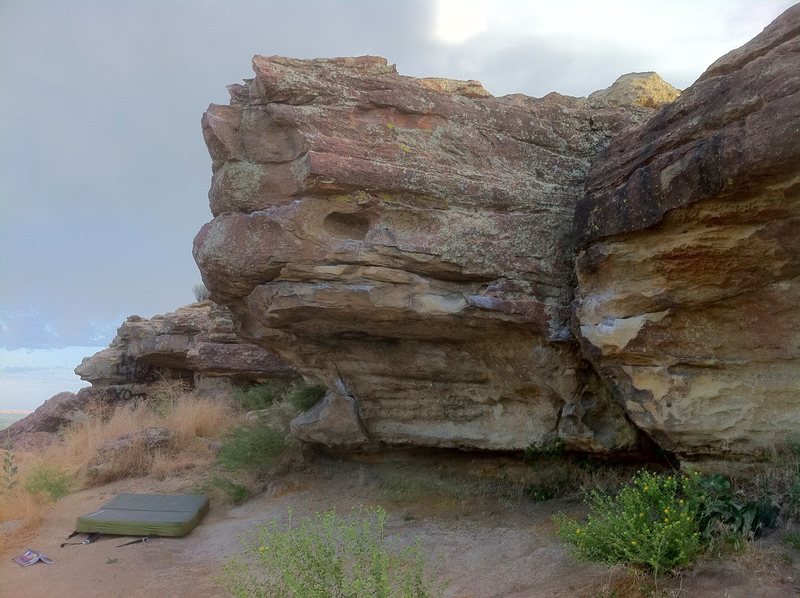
<point>136,445</point>
<point>689,281</point>
<point>196,343</point>
<point>637,89</point>
<point>408,242</point>
<point>40,427</point>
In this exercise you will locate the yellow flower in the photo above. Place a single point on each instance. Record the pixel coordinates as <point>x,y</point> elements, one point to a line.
<point>262,549</point>
<point>666,510</point>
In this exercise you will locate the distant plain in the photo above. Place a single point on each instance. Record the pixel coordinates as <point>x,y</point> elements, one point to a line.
<point>9,417</point>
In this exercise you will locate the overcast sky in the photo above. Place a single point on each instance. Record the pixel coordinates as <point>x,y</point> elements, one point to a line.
<point>103,171</point>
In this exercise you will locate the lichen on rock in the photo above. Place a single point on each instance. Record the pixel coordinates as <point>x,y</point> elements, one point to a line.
<point>411,239</point>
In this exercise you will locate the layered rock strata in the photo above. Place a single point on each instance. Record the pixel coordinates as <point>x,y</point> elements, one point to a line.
<point>196,344</point>
<point>408,242</point>
<point>689,277</point>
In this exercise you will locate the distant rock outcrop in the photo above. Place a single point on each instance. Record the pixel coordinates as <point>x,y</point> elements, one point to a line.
<point>688,298</point>
<point>40,427</point>
<point>408,242</point>
<point>637,89</point>
<point>196,343</point>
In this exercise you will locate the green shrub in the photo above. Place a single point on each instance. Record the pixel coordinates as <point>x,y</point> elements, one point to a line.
<point>663,522</point>
<point>721,505</point>
<point>792,538</point>
<point>538,450</point>
<point>235,493</point>
<point>48,481</point>
<point>9,475</point>
<point>261,396</point>
<point>253,447</point>
<point>300,395</point>
<point>304,396</point>
<point>653,522</point>
<point>327,555</point>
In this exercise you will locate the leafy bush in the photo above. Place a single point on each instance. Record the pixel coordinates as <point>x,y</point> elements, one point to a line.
<point>235,493</point>
<point>261,396</point>
<point>663,522</point>
<point>253,447</point>
<point>327,555</point>
<point>550,448</point>
<point>300,395</point>
<point>200,292</point>
<point>304,396</point>
<point>653,522</point>
<point>48,481</point>
<point>738,516</point>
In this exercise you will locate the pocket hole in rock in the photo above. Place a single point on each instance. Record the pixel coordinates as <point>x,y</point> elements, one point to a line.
<point>346,226</point>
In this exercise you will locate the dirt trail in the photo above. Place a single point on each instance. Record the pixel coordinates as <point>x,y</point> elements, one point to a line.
<point>487,547</point>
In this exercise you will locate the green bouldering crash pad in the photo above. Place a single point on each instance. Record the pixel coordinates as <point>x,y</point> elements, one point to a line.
<point>170,515</point>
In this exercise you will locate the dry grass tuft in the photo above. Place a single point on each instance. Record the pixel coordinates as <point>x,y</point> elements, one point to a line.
<point>196,425</point>
<point>22,513</point>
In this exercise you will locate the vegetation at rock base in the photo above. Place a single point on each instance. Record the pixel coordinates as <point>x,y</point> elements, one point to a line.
<point>49,481</point>
<point>10,470</point>
<point>33,477</point>
<point>663,522</point>
<point>328,555</point>
<point>260,396</point>
<point>253,447</point>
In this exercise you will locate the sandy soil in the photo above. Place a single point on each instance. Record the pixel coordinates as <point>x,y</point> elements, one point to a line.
<point>486,546</point>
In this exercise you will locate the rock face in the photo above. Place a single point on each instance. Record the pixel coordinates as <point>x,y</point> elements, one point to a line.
<point>196,343</point>
<point>637,89</point>
<point>40,427</point>
<point>408,242</point>
<point>688,281</point>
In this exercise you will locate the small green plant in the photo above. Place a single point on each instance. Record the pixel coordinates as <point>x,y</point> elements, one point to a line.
<point>792,538</point>
<point>304,396</point>
<point>549,448</point>
<point>300,395</point>
<point>200,292</point>
<point>261,396</point>
<point>653,522</point>
<point>253,447</point>
<point>10,468</point>
<point>49,482</point>
<point>540,492</point>
<point>235,493</point>
<point>328,555</point>
<point>721,505</point>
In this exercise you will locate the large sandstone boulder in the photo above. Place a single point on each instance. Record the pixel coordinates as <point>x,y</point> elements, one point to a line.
<point>408,242</point>
<point>689,279</point>
<point>196,343</point>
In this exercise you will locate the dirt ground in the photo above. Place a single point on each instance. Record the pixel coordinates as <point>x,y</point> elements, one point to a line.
<point>486,546</point>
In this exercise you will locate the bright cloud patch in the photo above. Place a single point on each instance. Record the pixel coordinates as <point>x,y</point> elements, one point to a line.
<point>28,377</point>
